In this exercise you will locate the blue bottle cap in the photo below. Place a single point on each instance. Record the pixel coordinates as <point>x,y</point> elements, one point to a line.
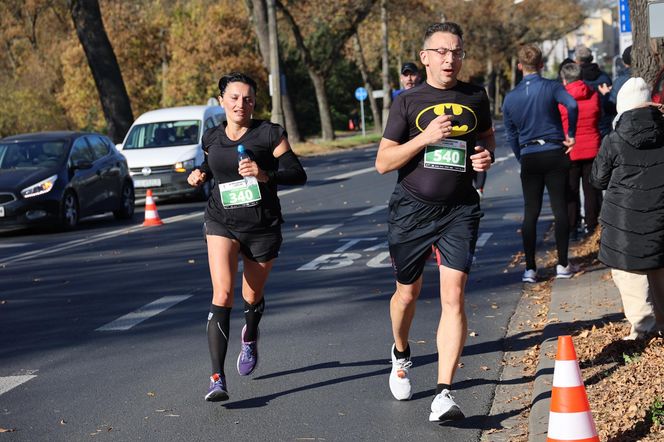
<point>240,148</point>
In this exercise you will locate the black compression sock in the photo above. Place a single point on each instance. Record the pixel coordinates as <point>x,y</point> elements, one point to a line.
<point>217,329</point>
<point>441,387</point>
<point>252,315</point>
<point>402,354</point>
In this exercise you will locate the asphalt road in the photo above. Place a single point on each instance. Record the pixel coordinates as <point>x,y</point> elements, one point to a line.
<point>102,330</point>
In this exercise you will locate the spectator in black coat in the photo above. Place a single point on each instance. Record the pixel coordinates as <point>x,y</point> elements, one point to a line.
<point>630,167</point>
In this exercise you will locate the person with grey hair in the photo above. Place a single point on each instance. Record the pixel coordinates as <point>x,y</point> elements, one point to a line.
<point>630,166</point>
<point>600,82</point>
<point>584,152</point>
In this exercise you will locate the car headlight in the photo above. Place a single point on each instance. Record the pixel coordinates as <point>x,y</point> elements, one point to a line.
<point>40,188</point>
<point>183,166</point>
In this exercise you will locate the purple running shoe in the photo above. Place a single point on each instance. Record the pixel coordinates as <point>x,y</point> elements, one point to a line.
<point>248,357</point>
<point>218,391</point>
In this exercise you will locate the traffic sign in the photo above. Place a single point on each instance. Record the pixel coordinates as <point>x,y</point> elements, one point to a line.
<point>625,22</point>
<point>361,93</point>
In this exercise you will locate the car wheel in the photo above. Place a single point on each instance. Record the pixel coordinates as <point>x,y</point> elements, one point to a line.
<point>69,211</point>
<point>128,203</point>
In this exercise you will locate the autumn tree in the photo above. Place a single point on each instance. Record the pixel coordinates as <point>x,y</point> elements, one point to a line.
<point>647,53</point>
<point>258,15</point>
<point>320,31</point>
<point>87,19</point>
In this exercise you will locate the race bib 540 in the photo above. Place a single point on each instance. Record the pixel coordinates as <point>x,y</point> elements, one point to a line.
<point>447,155</point>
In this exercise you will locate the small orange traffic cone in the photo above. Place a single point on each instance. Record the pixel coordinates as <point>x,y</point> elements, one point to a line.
<point>569,417</point>
<point>151,214</point>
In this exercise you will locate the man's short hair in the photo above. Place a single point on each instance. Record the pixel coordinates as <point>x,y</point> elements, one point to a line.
<point>584,54</point>
<point>530,56</point>
<point>627,56</point>
<point>570,72</point>
<point>447,26</point>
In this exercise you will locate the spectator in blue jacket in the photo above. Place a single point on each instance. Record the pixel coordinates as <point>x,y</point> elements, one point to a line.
<point>535,133</point>
<point>620,80</point>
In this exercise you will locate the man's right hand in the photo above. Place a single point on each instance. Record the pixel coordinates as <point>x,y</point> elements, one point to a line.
<point>196,178</point>
<point>439,128</point>
<point>569,144</point>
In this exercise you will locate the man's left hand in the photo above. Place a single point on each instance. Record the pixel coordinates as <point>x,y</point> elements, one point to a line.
<point>481,160</point>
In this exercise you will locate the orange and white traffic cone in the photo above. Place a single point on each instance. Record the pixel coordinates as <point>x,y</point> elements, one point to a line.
<point>151,214</point>
<point>569,417</point>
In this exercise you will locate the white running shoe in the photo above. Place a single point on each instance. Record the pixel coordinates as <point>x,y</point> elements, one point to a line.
<point>443,408</point>
<point>529,276</point>
<point>399,381</point>
<point>565,272</point>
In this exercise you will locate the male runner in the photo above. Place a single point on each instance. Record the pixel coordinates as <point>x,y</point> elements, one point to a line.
<point>436,135</point>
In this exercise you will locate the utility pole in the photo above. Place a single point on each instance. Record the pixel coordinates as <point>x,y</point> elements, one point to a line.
<point>275,75</point>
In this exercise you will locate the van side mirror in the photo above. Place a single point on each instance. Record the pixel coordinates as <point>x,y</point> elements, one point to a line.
<point>118,146</point>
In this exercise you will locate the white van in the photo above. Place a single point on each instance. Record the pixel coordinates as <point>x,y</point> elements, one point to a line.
<point>163,146</point>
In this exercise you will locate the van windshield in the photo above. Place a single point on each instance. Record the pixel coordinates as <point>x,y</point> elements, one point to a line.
<point>163,134</point>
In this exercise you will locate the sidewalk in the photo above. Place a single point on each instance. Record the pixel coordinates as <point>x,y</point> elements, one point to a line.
<point>590,297</point>
<point>581,301</point>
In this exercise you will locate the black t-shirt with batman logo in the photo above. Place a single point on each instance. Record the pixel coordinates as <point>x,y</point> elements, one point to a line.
<point>443,180</point>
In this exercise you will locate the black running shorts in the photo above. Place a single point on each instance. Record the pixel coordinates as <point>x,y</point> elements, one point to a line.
<point>260,246</point>
<point>414,226</point>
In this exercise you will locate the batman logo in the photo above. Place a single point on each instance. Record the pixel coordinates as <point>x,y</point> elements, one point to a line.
<point>464,120</point>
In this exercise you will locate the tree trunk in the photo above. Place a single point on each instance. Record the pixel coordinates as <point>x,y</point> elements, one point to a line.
<point>387,96</point>
<point>647,53</point>
<point>323,105</point>
<point>104,66</point>
<point>361,63</point>
<point>258,11</point>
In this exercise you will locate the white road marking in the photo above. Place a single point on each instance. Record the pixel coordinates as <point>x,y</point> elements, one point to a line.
<point>370,210</point>
<point>147,311</point>
<point>16,244</point>
<point>93,239</point>
<point>319,231</point>
<point>484,237</point>
<point>9,382</point>
<point>501,159</point>
<point>350,174</point>
<point>286,192</point>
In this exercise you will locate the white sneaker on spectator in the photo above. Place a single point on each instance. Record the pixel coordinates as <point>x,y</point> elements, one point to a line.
<point>443,408</point>
<point>530,276</point>
<point>566,272</point>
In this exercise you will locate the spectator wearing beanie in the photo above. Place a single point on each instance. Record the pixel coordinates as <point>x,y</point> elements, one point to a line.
<point>622,78</point>
<point>584,152</point>
<point>630,166</point>
<point>599,81</point>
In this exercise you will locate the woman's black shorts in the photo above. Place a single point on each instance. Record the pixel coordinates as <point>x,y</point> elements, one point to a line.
<point>259,245</point>
<point>414,226</point>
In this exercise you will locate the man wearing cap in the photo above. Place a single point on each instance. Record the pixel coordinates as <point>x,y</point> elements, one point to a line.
<point>629,166</point>
<point>409,78</point>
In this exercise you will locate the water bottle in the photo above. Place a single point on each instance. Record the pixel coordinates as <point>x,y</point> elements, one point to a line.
<point>241,155</point>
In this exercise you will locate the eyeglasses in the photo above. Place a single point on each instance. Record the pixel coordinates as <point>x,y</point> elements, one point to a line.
<point>457,54</point>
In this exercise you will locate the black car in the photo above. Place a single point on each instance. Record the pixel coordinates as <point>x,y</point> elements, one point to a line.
<point>56,178</point>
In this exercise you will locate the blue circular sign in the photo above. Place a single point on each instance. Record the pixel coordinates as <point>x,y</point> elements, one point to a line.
<point>361,93</point>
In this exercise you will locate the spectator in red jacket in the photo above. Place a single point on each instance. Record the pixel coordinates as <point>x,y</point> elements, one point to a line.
<point>587,145</point>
